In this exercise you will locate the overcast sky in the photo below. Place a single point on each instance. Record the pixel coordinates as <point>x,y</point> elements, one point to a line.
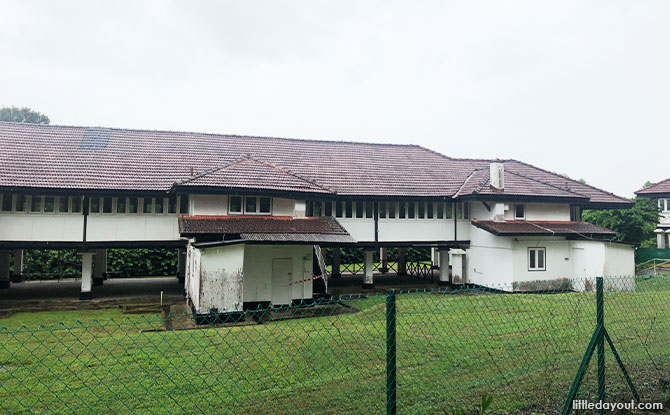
<point>576,87</point>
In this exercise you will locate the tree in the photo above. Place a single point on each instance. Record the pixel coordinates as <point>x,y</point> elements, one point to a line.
<point>25,114</point>
<point>635,225</point>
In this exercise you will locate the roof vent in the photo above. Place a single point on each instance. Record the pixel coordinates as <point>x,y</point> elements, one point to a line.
<point>497,175</point>
<point>95,138</point>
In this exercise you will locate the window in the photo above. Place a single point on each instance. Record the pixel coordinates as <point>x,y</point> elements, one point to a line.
<point>448,210</point>
<point>75,204</point>
<point>338,209</point>
<point>121,205</point>
<point>183,204</point>
<point>348,209</point>
<point>159,205</point>
<point>536,259</point>
<point>459,210</point>
<point>664,205</point>
<point>36,204</point>
<point>147,205</point>
<point>328,211</point>
<point>369,207</point>
<point>250,205</point>
<point>402,210</point>
<point>107,205</point>
<point>7,202</point>
<point>21,203</point>
<point>382,210</point>
<point>575,213</point>
<point>236,205</point>
<point>429,212</point>
<point>440,210</point>
<point>133,205</point>
<point>392,210</point>
<point>318,209</point>
<point>63,204</point>
<point>94,205</point>
<point>466,210</point>
<point>49,204</point>
<point>265,205</point>
<point>519,211</point>
<point>359,209</point>
<point>172,204</point>
<point>422,210</point>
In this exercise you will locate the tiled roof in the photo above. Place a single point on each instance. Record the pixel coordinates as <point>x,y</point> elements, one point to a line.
<point>661,188</point>
<point>540,228</point>
<point>198,225</point>
<point>82,158</point>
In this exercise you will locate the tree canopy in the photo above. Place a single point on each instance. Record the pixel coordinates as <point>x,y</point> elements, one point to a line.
<point>24,114</point>
<point>635,225</point>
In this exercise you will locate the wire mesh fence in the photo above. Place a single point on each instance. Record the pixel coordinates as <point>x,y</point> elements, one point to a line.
<point>429,351</point>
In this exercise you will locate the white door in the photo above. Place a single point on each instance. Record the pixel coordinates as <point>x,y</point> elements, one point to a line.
<point>579,263</point>
<point>282,274</point>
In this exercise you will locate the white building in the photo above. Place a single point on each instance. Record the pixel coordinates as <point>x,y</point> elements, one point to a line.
<point>246,212</point>
<point>661,193</point>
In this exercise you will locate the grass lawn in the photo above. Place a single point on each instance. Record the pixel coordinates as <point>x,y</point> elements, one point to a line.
<point>522,348</point>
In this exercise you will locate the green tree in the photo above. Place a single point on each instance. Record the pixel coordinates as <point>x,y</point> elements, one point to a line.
<point>635,225</point>
<point>24,114</point>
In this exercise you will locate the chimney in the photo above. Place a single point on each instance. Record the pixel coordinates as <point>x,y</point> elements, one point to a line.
<point>497,175</point>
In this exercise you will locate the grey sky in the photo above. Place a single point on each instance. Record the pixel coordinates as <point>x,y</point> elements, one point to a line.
<point>575,87</point>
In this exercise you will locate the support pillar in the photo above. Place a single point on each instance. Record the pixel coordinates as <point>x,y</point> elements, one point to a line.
<point>457,266</point>
<point>335,268</point>
<point>86,275</point>
<point>4,270</point>
<point>17,273</point>
<point>384,262</point>
<point>435,258</point>
<point>181,266</point>
<point>368,281</point>
<point>443,258</point>
<point>660,239</point>
<point>99,267</point>
<point>402,261</point>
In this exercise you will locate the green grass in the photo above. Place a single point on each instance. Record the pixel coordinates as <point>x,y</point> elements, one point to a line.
<point>524,349</point>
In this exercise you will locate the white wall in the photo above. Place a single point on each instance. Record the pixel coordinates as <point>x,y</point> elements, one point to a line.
<point>41,227</point>
<point>221,278</point>
<point>132,228</point>
<point>283,207</point>
<point>216,205</point>
<point>258,270</point>
<point>489,260</point>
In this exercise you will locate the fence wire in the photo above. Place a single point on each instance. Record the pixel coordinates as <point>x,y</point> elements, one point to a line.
<point>450,347</point>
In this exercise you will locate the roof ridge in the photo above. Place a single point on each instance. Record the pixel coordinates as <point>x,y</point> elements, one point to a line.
<point>547,184</point>
<point>458,192</point>
<point>148,130</point>
<point>570,179</point>
<point>289,172</point>
<point>213,170</point>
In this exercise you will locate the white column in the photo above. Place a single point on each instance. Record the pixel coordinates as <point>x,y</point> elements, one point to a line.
<point>335,268</point>
<point>660,239</point>
<point>368,281</point>
<point>181,265</point>
<point>402,261</point>
<point>99,267</point>
<point>457,261</point>
<point>86,275</point>
<point>17,273</point>
<point>435,257</point>
<point>4,269</point>
<point>443,257</point>
<point>383,259</point>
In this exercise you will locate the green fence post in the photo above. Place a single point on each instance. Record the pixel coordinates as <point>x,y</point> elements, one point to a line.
<point>390,353</point>
<point>600,322</point>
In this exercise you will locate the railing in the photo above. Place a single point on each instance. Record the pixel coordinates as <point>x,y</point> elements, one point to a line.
<point>653,267</point>
<point>421,270</point>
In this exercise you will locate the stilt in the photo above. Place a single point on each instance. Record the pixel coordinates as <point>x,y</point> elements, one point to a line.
<point>457,269</point>
<point>17,273</point>
<point>335,269</point>
<point>181,266</point>
<point>402,261</point>
<point>443,258</point>
<point>383,259</point>
<point>368,281</point>
<point>4,270</point>
<point>99,267</point>
<point>86,275</point>
<point>435,258</point>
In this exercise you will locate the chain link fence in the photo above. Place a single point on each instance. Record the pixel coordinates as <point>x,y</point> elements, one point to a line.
<point>433,351</point>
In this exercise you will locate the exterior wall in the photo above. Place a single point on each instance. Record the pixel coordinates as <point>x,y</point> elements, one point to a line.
<point>216,205</point>
<point>258,271</point>
<point>558,264</point>
<point>534,211</point>
<point>283,207</point>
<point>132,228</point>
<point>489,260</point>
<point>221,279</point>
<point>41,227</point>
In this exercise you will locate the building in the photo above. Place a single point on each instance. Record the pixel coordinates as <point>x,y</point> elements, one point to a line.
<point>661,193</point>
<point>247,212</point>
